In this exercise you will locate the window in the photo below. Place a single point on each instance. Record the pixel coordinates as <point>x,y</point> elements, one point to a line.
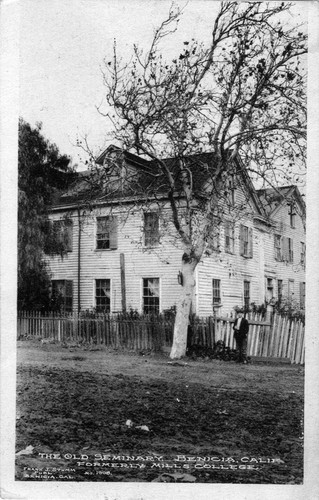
<point>216,292</point>
<point>302,294</point>
<point>291,286</point>
<point>246,241</point>
<point>62,290</point>
<point>151,229</point>
<point>103,295</point>
<point>214,234</point>
<point>292,214</point>
<point>302,253</point>
<point>287,249</point>
<point>106,233</point>
<point>61,237</point>
<point>270,289</point>
<point>229,237</point>
<point>278,247</point>
<point>246,294</point>
<point>231,190</point>
<point>151,303</point>
<point>279,290</point>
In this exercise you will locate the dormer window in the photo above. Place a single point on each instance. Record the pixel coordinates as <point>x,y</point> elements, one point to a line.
<point>292,214</point>
<point>231,189</point>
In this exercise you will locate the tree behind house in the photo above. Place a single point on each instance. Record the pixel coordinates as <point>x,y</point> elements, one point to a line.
<point>41,171</point>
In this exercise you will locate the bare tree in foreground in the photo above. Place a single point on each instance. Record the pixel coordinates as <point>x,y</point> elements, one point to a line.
<point>243,96</point>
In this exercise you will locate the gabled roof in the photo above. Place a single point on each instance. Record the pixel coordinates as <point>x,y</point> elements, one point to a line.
<point>273,199</point>
<point>130,157</point>
<point>146,177</point>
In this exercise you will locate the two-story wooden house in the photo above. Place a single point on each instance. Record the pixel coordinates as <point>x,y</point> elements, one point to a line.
<point>285,246</point>
<point>122,252</point>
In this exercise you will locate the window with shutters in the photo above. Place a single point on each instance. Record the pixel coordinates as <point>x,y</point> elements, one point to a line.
<point>229,237</point>
<point>151,229</point>
<point>106,233</point>
<point>151,296</point>
<point>278,247</point>
<point>216,292</point>
<point>61,237</point>
<point>246,294</point>
<point>62,290</point>
<point>246,241</point>
<point>103,295</point>
<point>287,249</point>
<point>302,294</point>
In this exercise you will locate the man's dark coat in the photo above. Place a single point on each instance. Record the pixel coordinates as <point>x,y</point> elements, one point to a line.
<point>243,329</point>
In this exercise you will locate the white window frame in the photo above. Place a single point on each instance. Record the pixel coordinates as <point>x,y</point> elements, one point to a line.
<point>94,293</point>
<point>112,233</point>
<point>220,292</point>
<point>246,245</point>
<point>159,293</point>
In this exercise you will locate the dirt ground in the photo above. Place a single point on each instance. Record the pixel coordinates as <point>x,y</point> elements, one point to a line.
<point>92,414</point>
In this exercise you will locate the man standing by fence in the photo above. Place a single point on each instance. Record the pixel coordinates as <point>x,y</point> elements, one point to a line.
<point>241,327</point>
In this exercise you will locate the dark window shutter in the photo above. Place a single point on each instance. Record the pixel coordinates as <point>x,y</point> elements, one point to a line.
<point>68,287</point>
<point>113,232</point>
<point>68,299</point>
<point>291,254</point>
<point>48,229</point>
<point>285,248</point>
<point>69,236</point>
<point>250,241</point>
<point>241,240</point>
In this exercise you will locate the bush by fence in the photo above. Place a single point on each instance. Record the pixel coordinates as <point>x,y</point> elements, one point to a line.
<point>280,338</point>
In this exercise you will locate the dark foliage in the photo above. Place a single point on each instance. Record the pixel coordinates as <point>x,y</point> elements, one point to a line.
<point>42,171</point>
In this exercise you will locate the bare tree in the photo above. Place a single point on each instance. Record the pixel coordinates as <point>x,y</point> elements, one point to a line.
<point>241,98</point>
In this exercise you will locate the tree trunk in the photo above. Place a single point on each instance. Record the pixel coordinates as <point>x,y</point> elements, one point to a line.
<point>183,309</point>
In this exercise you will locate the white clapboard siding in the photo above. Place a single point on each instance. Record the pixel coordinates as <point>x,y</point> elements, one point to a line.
<point>283,270</point>
<point>164,261</point>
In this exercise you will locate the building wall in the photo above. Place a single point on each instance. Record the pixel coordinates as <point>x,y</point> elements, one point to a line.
<point>232,270</point>
<point>285,271</point>
<point>163,262</point>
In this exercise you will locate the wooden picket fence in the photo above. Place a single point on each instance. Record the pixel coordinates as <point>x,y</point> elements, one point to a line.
<point>116,331</point>
<point>280,338</point>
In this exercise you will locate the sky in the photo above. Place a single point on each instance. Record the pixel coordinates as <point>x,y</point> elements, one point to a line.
<point>62,47</point>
